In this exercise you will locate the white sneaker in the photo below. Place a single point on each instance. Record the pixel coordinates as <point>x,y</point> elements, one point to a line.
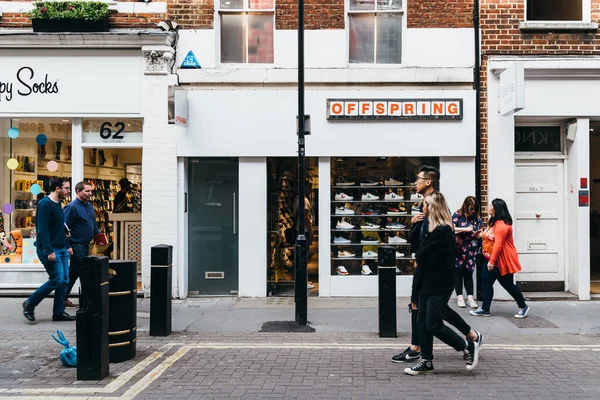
<point>369,196</point>
<point>369,182</point>
<point>472,303</point>
<point>343,182</point>
<point>399,255</point>
<point>343,225</point>
<point>398,272</point>
<point>416,211</point>
<point>392,196</point>
<point>395,226</point>
<point>365,270</point>
<point>369,254</point>
<point>369,226</point>
<point>343,196</point>
<point>461,302</point>
<point>341,240</point>
<point>343,211</point>
<point>310,286</point>
<point>341,270</point>
<point>396,240</point>
<point>392,182</point>
<point>345,254</point>
<point>369,241</point>
<point>416,196</point>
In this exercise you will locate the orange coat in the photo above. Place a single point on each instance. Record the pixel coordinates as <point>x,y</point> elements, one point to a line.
<point>504,254</point>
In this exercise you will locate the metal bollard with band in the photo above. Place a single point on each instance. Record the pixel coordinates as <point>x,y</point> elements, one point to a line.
<point>386,265</point>
<point>122,304</point>
<point>161,277</point>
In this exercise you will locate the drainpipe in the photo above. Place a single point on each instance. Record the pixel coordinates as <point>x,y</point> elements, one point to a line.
<point>477,87</point>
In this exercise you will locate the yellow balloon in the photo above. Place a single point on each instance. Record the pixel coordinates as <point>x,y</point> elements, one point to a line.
<point>12,163</point>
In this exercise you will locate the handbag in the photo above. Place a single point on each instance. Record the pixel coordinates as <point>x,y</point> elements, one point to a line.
<point>68,355</point>
<point>488,243</point>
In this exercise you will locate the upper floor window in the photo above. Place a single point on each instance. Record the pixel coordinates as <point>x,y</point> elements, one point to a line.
<point>247,28</point>
<point>375,31</point>
<point>555,10</point>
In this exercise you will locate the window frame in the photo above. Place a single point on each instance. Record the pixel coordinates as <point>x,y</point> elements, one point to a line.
<point>586,14</point>
<point>347,12</point>
<point>245,11</point>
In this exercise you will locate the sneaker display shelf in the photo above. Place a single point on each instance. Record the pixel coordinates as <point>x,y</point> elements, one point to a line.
<point>373,224</point>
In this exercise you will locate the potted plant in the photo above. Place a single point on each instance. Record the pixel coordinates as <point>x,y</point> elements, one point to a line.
<point>69,16</point>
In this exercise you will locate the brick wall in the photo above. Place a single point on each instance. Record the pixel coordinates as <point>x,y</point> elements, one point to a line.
<point>439,13</point>
<point>318,14</point>
<point>192,14</point>
<point>117,20</point>
<point>500,34</point>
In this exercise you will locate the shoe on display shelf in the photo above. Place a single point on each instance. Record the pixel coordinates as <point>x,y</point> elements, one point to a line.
<point>369,254</point>
<point>394,226</point>
<point>369,225</point>
<point>365,270</point>
<point>392,182</point>
<point>369,197</point>
<point>370,211</point>
<point>310,286</point>
<point>395,211</point>
<point>369,241</point>
<point>341,270</point>
<point>396,240</point>
<point>343,211</point>
<point>369,182</point>
<point>343,225</point>
<point>399,255</point>
<point>341,240</point>
<point>416,211</point>
<point>345,254</point>
<point>343,196</point>
<point>398,272</point>
<point>416,196</point>
<point>344,182</point>
<point>392,196</point>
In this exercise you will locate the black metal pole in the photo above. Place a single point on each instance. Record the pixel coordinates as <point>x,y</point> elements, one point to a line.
<point>477,87</point>
<point>300,278</point>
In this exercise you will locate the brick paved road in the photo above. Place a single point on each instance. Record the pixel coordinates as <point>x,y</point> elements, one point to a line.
<point>305,366</point>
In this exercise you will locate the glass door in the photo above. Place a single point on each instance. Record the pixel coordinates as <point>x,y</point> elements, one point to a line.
<point>213,226</point>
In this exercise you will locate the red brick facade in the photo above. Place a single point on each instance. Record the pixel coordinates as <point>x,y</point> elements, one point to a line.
<point>500,34</point>
<point>192,14</point>
<point>318,14</point>
<point>440,13</point>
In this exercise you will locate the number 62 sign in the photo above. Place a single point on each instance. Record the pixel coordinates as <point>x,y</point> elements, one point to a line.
<point>115,131</point>
<point>106,132</point>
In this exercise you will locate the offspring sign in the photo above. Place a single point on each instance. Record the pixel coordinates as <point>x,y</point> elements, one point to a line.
<point>395,109</point>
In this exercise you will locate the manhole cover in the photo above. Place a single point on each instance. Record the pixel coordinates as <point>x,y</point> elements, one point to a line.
<point>531,322</point>
<point>285,326</point>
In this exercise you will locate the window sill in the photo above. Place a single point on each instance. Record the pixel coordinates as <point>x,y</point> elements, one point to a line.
<point>557,26</point>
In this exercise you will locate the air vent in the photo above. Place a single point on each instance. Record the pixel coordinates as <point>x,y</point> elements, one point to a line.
<point>214,275</point>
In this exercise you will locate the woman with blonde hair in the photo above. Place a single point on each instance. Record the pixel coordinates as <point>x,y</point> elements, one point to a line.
<point>436,257</point>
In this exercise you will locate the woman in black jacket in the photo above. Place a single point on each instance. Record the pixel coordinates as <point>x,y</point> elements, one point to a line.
<point>436,258</point>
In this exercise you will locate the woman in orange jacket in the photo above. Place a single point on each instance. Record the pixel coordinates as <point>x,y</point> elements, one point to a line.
<point>501,261</point>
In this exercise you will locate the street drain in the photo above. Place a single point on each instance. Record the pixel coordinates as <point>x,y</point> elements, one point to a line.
<point>531,322</point>
<point>285,326</point>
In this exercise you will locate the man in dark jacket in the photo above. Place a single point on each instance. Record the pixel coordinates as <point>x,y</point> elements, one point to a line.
<point>427,182</point>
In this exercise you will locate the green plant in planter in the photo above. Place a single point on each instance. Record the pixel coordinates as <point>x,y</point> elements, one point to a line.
<point>81,10</point>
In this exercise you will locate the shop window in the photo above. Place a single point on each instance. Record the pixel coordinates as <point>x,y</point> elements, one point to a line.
<point>536,139</point>
<point>555,10</point>
<point>32,152</point>
<point>247,28</point>
<point>375,35</point>
<point>372,203</point>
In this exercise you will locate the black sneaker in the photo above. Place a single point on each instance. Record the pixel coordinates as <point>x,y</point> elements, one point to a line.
<point>28,311</point>
<point>406,356</point>
<point>472,352</point>
<point>424,367</point>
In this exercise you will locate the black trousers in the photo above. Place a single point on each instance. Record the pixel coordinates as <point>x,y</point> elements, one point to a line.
<point>450,316</point>
<point>463,275</point>
<point>79,252</point>
<point>432,310</point>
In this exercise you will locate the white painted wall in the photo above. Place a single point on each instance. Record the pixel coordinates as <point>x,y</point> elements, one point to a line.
<point>324,227</point>
<point>457,179</point>
<point>252,236</point>
<point>262,122</point>
<point>436,47</point>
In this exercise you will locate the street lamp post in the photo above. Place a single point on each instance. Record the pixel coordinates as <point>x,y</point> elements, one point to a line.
<point>300,278</point>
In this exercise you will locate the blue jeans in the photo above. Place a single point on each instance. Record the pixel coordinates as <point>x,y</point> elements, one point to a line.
<point>507,281</point>
<point>58,273</point>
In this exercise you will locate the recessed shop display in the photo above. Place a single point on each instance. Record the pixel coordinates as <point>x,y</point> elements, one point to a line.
<point>373,201</point>
<point>395,109</point>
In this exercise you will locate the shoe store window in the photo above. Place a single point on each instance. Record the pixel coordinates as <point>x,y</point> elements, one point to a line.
<point>32,151</point>
<point>282,206</point>
<point>372,203</point>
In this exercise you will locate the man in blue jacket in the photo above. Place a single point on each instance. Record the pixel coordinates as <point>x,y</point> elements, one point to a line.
<point>81,220</point>
<point>53,251</point>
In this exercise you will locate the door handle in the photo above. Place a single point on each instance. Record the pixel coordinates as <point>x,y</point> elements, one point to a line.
<point>538,215</point>
<point>234,227</point>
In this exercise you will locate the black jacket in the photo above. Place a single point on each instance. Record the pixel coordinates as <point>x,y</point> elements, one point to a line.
<point>435,258</point>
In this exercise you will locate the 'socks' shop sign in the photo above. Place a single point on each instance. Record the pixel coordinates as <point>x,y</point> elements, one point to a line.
<point>395,109</point>
<point>27,82</point>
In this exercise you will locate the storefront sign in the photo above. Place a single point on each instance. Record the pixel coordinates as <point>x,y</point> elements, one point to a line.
<point>512,89</point>
<point>395,109</point>
<point>26,83</point>
<point>537,138</point>
<point>117,131</point>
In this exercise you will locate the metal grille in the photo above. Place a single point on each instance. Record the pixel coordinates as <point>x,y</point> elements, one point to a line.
<point>531,322</point>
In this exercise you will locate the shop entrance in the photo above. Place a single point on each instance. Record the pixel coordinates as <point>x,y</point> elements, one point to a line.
<point>539,224</point>
<point>213,221</point>
<point>595,208</point>
<point>282,203</point>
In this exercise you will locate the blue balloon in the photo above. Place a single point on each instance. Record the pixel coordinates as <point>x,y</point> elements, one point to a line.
<point>41,139</point>
<point>13,133</point>
<point>35,189</point>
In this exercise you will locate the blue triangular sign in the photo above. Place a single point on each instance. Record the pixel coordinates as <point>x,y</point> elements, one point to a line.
<point>190,61</point>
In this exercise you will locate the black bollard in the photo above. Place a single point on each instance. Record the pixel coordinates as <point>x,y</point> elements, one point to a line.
<point>386,265</point>
<point>92,320</point>
<point>161,277</point>
<point>122,304</point>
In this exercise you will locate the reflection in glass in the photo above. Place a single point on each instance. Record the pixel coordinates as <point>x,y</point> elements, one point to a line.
<point>260,38</point>
<point>233,40</point>
<point>362,47</point>
<point>389,38</point>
